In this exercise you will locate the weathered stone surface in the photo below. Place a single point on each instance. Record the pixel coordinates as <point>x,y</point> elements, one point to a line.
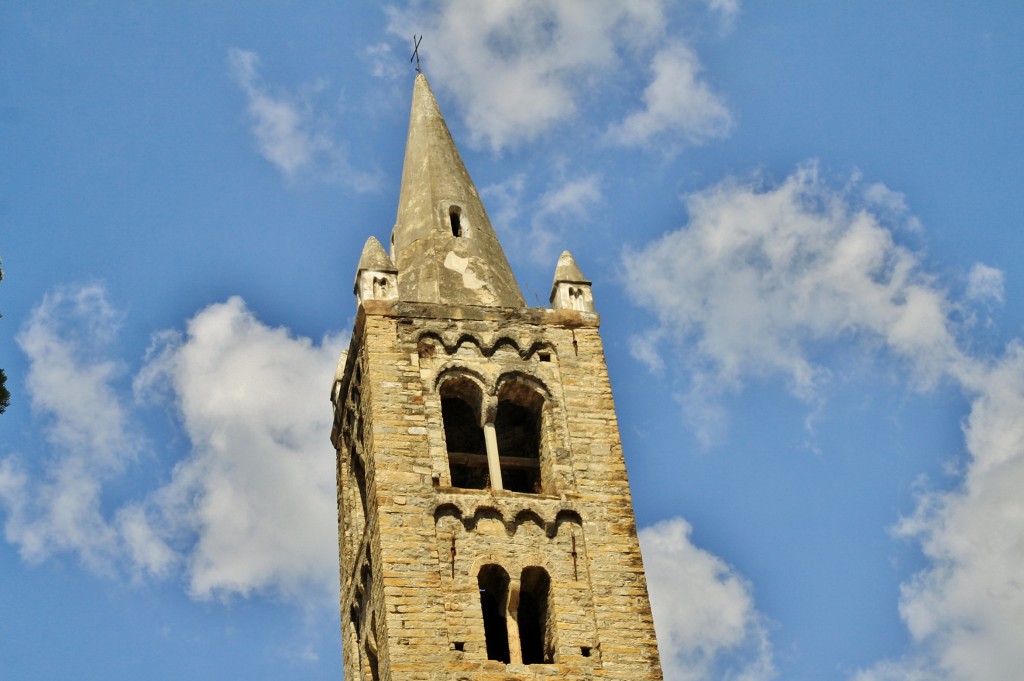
<point>423,523</point>
<point>425,599</point>
<point>443,242</point>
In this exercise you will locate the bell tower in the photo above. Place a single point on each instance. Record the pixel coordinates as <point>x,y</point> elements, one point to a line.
<point>486,529</point>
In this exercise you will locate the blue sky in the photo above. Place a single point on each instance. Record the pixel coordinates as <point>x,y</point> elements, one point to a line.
<point>802,221</point>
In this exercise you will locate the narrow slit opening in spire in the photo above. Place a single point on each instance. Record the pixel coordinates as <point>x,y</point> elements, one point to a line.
<point>455,218</point>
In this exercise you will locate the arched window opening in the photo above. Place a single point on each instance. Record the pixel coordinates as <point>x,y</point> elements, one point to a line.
<point>371,673</point>
<point>455,219</point>
<point>493,584</point>
<point>353,617</point>
<point>360,475</point>
<point>576,300</point>
<point>463,435</point>
<point>371,663</point>
<point>517,424</point>
<point>535,630</point>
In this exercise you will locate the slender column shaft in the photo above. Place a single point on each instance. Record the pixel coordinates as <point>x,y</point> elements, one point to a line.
<point>493,465</point>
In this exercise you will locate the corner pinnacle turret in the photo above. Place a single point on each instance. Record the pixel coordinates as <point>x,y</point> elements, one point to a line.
<point>443,244</point>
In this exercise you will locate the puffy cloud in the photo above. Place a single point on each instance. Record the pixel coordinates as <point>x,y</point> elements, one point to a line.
<point>71,386</point>
<point>383,62</point>
<point>290,133</point>
<point>676,101</point>
<point>251,507</point>
<point>552,215</point>
<point>704,611</point>
<point>759,275</point>
<point>967,609</point>
<point>727,9</point>
<point>985,283</point>
<point>257,490</point>
<point>518,69</point>
<point>69,380</point>
<point>759,280</point>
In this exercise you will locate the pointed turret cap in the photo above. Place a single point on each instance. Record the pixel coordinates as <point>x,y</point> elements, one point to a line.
<point>568,271</point>
<point>570,290</point>
<point>376,276</point>
<point>443,242</point>
<point>375,258</point>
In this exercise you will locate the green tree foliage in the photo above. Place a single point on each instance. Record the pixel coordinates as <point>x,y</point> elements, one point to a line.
<point>5,394</point>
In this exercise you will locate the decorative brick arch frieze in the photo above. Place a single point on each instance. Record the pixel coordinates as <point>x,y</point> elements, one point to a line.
<point>484,345</point>
<point>521,538</point>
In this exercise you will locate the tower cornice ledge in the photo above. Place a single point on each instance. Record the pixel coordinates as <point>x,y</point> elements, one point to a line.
<point>510,315</point>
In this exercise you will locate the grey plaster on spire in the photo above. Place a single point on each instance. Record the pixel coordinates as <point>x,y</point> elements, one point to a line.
<point>443,243</point>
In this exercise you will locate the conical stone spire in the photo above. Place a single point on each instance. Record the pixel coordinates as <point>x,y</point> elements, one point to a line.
<point>444,246</point>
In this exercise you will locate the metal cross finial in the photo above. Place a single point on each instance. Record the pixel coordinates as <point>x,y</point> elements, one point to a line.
<point>416,51</point>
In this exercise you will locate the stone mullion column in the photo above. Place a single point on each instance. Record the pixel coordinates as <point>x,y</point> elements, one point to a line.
<point>493,462</point>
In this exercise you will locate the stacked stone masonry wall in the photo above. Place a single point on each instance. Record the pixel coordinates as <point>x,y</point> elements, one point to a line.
<point>425,541</point>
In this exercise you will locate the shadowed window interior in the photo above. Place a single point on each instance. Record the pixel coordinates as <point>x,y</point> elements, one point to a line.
<point>353,616</point>
<point>455,218</point>
<point>360,475</point>
<point>517,425</point>
<point>535,635</point>
<point>371,662</point>
<point>493,583</point>
<point>463,434</point>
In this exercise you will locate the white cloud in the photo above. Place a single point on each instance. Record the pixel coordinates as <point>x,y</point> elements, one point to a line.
<point>552,216</point>
<point>759,279</point>
<point>70,385</point>
<point>290,133</point>
<point>559,210</point>
<point>727,9</point>
<point>985,283</point>
<point>252,505</point>
<point>759,275</point>
<point>257,490</point>
<point>967,609</point>
<point>69,380</point>
<point>646,350</point>
<point>704,611</point>
<point>518,69</point>
<point>504,201</point>
<point>383,62</point>
<point>889,204</point>
<point>676,101</point>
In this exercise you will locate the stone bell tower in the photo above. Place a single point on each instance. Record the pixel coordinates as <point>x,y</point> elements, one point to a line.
<point>486,529</point>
